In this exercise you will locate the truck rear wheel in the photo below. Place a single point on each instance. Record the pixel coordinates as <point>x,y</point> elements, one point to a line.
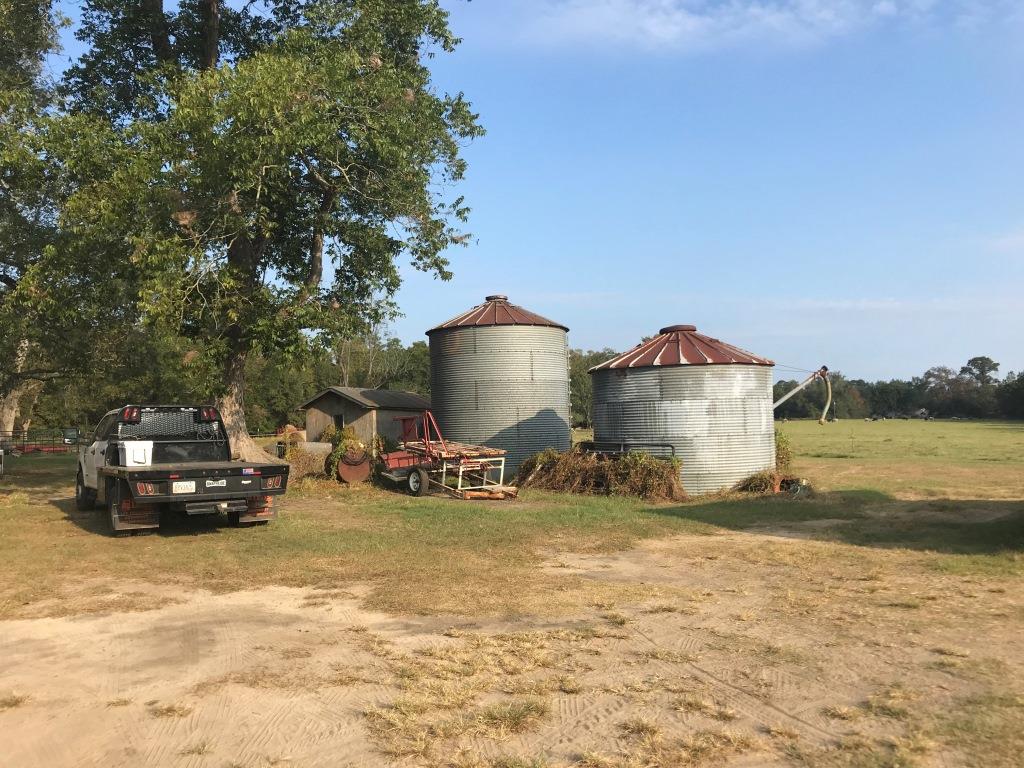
<point>85,498</point>
<point>417,481</point>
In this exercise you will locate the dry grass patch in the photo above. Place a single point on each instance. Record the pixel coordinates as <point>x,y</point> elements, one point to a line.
<point>200,749</point>
<point>699,748</point>
<point>837,712</point>
<point>121,702</point>
<point>664,654</point>
<point>500,720</point>
<point>637,727</point>
<point>891,702</point>
<point>12,700</point>
<point>169,710</point>
<point>613,617</point>
<point>698,705</point>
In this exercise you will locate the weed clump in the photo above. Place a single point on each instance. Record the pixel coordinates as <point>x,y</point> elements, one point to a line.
<point>760,482</point>
<point>631,474</point>
<point>783,452</point>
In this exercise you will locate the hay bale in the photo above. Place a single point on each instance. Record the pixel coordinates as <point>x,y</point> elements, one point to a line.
<point>631,474</point>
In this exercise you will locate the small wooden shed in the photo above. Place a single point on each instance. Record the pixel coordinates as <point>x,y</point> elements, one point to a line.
<point>369,412</point>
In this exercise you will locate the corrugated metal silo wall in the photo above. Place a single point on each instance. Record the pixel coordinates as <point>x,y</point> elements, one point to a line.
<point>502,386</point>
<point>718,417</point>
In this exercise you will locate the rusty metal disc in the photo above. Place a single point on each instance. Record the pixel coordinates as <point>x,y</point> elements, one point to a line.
<point>354,472</point>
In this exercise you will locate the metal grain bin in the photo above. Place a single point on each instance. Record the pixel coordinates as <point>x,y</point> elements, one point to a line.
<point>710,401</point>
<point>499,376</point>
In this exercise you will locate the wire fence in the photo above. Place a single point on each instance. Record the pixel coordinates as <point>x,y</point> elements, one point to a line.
<point>39,441</point>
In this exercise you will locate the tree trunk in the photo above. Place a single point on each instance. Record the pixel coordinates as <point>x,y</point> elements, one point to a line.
<point>10,405</point>
<point>242,263</point>
<point>232,409</point>
<point>211,34</point>
<point>27,406</point>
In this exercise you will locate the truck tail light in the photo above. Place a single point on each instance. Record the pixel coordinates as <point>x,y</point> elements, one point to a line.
<point>271,482</point>
<point>145,489</point>
<point>206,413</point>
<point>131,414</point>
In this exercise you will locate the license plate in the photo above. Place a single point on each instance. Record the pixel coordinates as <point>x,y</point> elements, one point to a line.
<point>216,483</point>
<point>183,486</point>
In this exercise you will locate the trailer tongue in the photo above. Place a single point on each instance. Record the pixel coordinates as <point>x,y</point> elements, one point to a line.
<point>425,460</point>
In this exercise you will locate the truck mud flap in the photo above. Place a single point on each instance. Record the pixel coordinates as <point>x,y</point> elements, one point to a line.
<point>128,516</point>
<point>259,509</point>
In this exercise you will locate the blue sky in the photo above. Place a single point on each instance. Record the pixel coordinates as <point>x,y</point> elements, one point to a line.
<point>818,181</point>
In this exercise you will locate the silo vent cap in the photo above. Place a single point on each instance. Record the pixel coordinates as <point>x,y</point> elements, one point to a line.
<point>673,328</point>
<point>497,297</point>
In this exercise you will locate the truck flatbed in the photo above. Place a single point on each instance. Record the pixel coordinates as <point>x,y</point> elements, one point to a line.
<point>143,459</point>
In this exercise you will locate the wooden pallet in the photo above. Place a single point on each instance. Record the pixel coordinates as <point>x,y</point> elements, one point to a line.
<point>455,450</point>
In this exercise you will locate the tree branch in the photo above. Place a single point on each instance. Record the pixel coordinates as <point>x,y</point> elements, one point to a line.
<point>158,31</point>
<point>316,250</point>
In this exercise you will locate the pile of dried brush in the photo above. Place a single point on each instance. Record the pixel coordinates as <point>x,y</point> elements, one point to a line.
<point>631,474</point>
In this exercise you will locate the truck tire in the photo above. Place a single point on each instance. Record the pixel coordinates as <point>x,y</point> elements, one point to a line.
<point>85,498</point>
<point>416,482</point>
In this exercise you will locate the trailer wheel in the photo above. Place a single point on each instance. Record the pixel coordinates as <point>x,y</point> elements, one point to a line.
<point>416,481</point>
<point>85,498</point>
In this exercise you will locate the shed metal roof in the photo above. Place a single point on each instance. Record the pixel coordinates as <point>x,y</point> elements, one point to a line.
<point>496,310</point>
<point>682,345</point>
<point>388,399</point>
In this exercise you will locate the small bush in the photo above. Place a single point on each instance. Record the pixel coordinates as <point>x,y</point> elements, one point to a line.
<point>632,474</point>
<point>303,463</point>
<point>329,435</point>
<point>783,452</point>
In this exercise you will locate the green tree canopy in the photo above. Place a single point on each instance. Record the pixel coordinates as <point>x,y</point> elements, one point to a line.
<point>264,173</point>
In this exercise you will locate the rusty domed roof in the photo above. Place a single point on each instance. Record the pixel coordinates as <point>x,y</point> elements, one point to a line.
<point>496,310</point>
<point>682,345</point>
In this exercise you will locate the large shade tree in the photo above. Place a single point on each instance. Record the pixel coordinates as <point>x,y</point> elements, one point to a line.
<point>28,32</point>
<point>264,173</point>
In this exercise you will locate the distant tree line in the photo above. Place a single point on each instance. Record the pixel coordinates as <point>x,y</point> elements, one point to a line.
<point>976,391</point>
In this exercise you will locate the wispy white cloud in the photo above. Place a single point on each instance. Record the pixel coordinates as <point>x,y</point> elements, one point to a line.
<point>701,25</point>
<point>1009,243</point>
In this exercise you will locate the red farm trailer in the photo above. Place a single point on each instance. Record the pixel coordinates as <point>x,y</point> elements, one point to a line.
<point>425,460</point>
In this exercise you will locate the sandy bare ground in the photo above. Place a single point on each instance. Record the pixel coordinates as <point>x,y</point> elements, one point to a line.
<point>767,650</point>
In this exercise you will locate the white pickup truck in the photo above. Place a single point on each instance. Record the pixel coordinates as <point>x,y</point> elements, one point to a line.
<point>144,459</point>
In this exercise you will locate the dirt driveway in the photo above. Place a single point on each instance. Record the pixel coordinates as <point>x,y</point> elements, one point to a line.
<point>753,648</point>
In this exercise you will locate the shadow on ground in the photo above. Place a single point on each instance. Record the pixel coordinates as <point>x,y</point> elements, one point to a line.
<point>872,519</point>
<point>171,523</point>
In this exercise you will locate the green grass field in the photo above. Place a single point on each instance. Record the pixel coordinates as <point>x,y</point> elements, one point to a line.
<point>444,555</point>
<point>913,459</point>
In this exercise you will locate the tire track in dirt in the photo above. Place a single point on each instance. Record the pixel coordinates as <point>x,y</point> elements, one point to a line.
<point>755,706</point>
